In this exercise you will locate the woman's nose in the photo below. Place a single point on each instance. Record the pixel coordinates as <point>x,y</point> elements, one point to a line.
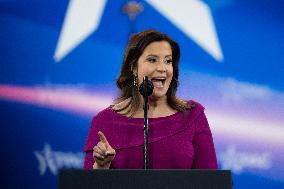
<point>161,67</point>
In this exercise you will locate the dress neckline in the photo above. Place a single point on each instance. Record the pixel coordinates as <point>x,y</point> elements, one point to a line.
<point>140,119</point>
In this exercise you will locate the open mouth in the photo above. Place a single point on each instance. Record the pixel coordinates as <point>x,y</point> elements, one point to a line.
<point>158,82</point>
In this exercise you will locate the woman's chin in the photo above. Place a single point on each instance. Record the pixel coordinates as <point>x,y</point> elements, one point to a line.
<point>158,95</point>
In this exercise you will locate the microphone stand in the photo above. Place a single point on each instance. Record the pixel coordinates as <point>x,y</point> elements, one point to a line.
<point>146,89</point>
<point>146,160</point>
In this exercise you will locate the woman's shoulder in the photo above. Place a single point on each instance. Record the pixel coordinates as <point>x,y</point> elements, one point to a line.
<point>96,125</point>
<point>194,109</point>
<point>191,105</point>
<point>191,115</point>
<point>103,114</point>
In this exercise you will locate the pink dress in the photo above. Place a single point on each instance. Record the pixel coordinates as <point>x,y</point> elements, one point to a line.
<point>179,141</point>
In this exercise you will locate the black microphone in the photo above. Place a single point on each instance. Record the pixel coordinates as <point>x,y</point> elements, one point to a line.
<point>146,87</point>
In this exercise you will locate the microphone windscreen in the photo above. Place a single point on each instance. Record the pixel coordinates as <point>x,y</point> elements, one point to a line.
<point>146,87</point>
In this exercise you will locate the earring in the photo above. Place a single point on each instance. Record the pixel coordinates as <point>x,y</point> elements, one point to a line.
<point>135,82</point>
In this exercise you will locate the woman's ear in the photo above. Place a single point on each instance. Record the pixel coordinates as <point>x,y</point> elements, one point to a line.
<point>135,72</point>
<point>135,77</point>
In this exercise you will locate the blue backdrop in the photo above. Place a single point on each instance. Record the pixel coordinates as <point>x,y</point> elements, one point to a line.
<point>59,61</point>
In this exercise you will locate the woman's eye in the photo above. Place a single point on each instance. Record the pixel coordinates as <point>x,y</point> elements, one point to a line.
<point>151,60</point>
<point>169,61</point>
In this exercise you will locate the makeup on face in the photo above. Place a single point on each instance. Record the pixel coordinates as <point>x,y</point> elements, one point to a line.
<point>156,63</point>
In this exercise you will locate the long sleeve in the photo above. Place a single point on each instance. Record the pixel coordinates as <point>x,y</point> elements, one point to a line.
<point>91,140</point>
<point>89,160</point>
<point>204,151</point>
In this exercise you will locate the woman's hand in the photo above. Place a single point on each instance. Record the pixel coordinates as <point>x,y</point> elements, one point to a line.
<point>103,153</point>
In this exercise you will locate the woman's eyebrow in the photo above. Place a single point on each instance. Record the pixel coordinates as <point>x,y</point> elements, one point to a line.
<point>151,55</point>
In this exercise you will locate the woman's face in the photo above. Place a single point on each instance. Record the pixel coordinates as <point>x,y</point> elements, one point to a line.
<point>156,63</point>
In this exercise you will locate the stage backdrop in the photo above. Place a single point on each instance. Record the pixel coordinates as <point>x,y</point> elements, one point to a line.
<point>59,61</point>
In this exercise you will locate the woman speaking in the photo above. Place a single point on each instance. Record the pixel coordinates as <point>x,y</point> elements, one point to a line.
<point>179,134</point>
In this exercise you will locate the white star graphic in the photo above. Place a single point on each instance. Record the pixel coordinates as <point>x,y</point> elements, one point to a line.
<point>193,17</point>
<point>82,18</point>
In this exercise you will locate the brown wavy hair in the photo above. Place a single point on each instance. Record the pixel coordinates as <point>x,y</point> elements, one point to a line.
<point>125,82</point>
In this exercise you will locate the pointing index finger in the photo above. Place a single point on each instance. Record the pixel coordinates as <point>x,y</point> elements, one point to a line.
<point>103,138</point>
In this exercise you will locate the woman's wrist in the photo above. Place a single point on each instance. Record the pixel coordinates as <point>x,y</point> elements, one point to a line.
<point>96,166</point>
